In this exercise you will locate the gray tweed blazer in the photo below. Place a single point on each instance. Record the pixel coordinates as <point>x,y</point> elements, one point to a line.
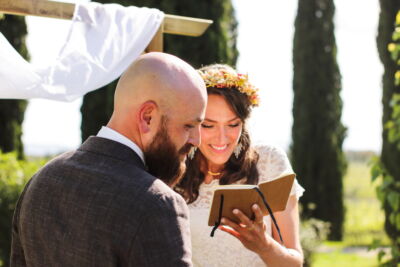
<point>97,206</point>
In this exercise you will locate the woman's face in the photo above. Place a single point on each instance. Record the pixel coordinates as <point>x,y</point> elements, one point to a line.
<point>220,131</point>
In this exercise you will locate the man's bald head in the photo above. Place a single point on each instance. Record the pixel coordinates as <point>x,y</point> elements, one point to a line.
<point>159,77</point>
<point>156,86</point>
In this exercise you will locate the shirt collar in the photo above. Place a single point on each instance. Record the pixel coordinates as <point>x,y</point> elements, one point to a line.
<point>106,132</point>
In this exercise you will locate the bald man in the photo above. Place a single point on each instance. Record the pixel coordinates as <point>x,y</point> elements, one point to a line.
<point>103,204</point>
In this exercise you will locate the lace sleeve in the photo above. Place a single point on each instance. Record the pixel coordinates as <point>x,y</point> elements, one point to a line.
<point>273,162</point>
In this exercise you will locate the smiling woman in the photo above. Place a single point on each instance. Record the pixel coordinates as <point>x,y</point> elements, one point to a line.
<point>226,156</point>
<point>220,134</point>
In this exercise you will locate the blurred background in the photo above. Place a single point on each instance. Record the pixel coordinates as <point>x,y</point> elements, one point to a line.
<point>326,73</point>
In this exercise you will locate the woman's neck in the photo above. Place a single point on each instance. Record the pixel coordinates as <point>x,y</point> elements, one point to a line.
<point>212,171</point>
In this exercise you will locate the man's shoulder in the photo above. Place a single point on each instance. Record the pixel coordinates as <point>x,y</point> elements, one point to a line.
<point>129,183</point>
<point>160,196</point>
<point>56,162</point>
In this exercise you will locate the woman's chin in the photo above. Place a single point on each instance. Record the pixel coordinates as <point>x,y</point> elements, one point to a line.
<point>219,160</point>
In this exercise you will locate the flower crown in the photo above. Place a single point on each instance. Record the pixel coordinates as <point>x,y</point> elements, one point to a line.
<point>220,78</point>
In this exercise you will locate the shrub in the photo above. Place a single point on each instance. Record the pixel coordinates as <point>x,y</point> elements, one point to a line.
<point>14,174</point>
<point>312,233</point>
<point>386,168</point>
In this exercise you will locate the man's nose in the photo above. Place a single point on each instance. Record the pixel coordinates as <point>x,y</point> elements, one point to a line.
<point>195,138</point>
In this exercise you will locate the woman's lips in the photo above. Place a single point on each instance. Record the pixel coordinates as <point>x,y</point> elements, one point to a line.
<point>219,149</point>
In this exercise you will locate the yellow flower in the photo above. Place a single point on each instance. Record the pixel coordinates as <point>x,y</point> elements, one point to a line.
<point>398,18</point>
<point>391,47</point>
<point>397,75</point>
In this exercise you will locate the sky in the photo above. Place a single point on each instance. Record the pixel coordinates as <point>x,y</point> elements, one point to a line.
<point>265,46</point>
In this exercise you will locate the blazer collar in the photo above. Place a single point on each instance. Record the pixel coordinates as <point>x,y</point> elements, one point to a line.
<point>113,149</point>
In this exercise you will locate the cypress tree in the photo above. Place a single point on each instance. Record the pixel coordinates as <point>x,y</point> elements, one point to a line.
<point>12,111</point>
<point>390,154</point>
<point>217,44</point>
<point>317,133</point>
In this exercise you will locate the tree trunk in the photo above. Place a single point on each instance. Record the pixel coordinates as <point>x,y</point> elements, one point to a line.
<point>317,133</point>
<point>12,111</point>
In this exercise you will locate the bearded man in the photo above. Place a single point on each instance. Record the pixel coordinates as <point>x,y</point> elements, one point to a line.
<point>103,204</point>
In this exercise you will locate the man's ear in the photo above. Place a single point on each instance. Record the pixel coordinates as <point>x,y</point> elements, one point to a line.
<point>147,115</point>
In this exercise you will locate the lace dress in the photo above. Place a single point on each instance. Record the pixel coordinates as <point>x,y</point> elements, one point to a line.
<point>224,249</point>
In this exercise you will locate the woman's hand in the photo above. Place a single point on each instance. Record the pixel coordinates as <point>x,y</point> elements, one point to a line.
<point>252,234</point>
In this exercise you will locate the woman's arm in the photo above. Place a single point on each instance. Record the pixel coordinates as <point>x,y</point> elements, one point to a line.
<point>253,236</point>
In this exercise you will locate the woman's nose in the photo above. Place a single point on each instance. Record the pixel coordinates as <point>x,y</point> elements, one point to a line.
<point>222,138</point>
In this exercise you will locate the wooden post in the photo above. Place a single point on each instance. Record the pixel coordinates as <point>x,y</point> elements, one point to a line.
<point>40,8</point>
<point>172,24</point>
<point>157,43</point>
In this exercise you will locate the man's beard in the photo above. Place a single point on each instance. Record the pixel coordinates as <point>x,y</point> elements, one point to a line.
<point>163,159</point>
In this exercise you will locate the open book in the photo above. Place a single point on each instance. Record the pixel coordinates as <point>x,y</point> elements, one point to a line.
<point>242,197</point>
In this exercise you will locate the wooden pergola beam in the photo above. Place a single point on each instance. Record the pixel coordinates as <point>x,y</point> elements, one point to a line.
<point>172,24</point>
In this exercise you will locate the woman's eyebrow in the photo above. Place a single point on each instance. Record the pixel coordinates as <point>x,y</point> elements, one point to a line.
<point>210,120</point>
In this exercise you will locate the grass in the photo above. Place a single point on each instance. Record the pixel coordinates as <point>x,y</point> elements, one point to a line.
<point>364,217</point>
<point>363,223</point>
<point>337,258</point>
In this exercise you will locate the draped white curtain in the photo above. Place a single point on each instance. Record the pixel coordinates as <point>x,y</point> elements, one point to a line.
<point>102,41</point>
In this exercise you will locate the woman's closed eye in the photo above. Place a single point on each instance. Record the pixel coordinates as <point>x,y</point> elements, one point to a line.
<point>207,126</point>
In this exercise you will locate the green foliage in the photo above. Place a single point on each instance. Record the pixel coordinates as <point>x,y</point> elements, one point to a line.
<point>386,169</point>
<point>14,174</point>
<point>216,45</point>
<point>388,192</point>
<point>12,111</point>
<point>317,132</point>
<point>394,48</point>
<point>364,218</point>
<point>363,222</point>
<point>393,125</point>
<point>312,233</point>
<point>339,259</point>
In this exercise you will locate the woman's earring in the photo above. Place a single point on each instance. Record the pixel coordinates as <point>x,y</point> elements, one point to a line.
<point>237,150</point>
<point>192,152</point>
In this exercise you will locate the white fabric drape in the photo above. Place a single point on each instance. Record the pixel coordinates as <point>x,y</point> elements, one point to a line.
<point>103,40</point>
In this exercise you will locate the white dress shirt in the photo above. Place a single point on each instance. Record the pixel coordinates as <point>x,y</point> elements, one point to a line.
<point>106,132</point>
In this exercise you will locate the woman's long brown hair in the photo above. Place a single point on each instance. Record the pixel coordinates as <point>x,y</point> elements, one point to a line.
<point>235,168</point>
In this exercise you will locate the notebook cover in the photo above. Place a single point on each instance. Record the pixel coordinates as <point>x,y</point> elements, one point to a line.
<point>276,193</point>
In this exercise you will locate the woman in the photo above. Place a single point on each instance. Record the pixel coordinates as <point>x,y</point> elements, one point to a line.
<point>226,156</point>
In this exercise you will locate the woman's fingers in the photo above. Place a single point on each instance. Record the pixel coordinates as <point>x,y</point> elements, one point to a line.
<point>243,218</point>
<point>231,224</point>
<point>230,231</point>
<point>250,233</point>
<point>258,214</point>
<point>237,231</point>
